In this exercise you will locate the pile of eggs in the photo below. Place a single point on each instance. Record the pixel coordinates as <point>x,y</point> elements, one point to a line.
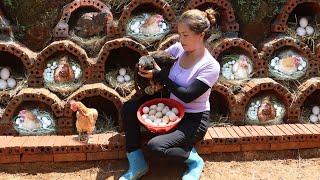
<point>135,26</point>
<point>315,116</point>
<point>6,82</point>
<point>123,76</point>
<point>159,115</point>
<point>48,73</point>
<point>252,111</point>
<point>232,71</point>
<point>304,29</point>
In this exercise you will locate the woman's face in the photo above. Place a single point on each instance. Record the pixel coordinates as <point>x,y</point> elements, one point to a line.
<point>190,40</point>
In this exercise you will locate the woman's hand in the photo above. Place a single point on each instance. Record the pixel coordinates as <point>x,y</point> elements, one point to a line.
<point>148,73</point>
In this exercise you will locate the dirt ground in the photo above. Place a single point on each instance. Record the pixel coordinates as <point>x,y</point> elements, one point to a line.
<point>291,164</point>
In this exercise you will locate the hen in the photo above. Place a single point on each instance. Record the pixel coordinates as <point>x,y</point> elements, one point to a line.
<point>30,120</point>
<point>151,25</point>
<point>86,118</point>
<point>266,111</point>
<point>64,72</point>
<point>165,62</point>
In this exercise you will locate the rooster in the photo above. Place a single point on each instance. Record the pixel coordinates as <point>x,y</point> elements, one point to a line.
<point>64,72</point>
<point>86,118</point>
<point>266,110</point>
<point>30,121</point>
<point>242,69</point>
<point>151,25</point>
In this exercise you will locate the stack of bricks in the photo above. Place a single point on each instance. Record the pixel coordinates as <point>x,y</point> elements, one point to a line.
<point>217,48</point>
<point>61,31</point>
<point>226,12</point>
<point>161,5</point>
<point>280,24</point>
<point>112,145</point>
<point>269,48</point>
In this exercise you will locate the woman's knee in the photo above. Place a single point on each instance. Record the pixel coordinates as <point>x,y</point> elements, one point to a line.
<point>156,146</point>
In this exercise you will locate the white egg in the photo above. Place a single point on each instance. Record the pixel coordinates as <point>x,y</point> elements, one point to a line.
<point>161,105</point>
<point>169,113</point>
<point>300,68</point>
<point>166,119</point>
<point>4,73</point>
<point>3,84</point>
<point>122,71</point>
<point>252,104</point>
<point>144,116</point>
<point>316,110</point>
<point>120,79</point>
<point>309,30</point>
<point>148,121</point>
<point>165,110</point>
<point>162,123</point>
<point>11,83</point>
<point>159,115</point>
<point>313,118</point>
<point>152,118</point>
<point>301,31</point>
<point>277,58</point>
<point>127,78</point>
<point>303,63</point>
<point>158,121</point>
<point>175,111</point>
<point>145,110</point>
<point>48,65</point>
<point>53,67</point>
<point>276,67</point>
<point>159,109</point>
<point>303,22</point>
<point>74,68</point>
<point>173,117</point>
<point>18,121</point>
<point>136,30</point>
<point>232,77</point>
<point>153,107</point>
<point>273,63</point>
<point>54,63</point>
<point>152,112</point>
<point>164,26</point>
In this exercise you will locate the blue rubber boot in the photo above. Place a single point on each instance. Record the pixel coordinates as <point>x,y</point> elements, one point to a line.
<point>195,165</point>
<point>137,166</point>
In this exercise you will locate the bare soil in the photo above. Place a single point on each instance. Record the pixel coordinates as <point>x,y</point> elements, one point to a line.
<point>291,164</point>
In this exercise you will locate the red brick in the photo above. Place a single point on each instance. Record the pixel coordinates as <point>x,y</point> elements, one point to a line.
<point>4,141</point>
<point>309,144</point>
<point>37,158</point>
<point>60,145</point>
<point>214,136</point>
<point>284,145</point>
<point>296,136</point>
<point>255,147</point>
<point>14,146</point>
<point>226,148</point>
<point>276,135</point>
<point>264,134</point>
<point>10,158</point>
<point>93,145</point>
<point>246,138</point>
<point>69,157</point>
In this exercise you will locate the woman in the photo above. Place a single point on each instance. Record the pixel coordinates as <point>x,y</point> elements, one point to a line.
<point>189,82</point>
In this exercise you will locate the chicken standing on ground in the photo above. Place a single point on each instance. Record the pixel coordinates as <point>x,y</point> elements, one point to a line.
<point>86,118</point>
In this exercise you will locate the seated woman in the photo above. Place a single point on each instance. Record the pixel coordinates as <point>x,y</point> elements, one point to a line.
<point>189,82</point>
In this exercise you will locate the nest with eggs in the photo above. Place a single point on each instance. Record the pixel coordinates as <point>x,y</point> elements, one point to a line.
<point>148,28</point>
<point>123,88</point>
<point>288,65</point>
<point>306,31</point>
<point>43,122</point>
<point>64,87</point>
<point>11,84</point>
<point>259,114</point>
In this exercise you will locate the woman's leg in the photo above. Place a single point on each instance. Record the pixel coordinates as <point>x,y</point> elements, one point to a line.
<point>179,143</point>
<point>137,164</point>
<point>131,123</point>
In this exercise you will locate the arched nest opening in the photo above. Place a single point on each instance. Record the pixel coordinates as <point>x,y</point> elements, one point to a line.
<point>310,111</point>
<point>219,109</point>
<point>108,118</point>
<point>34,118</point>
<point>13,76</point>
